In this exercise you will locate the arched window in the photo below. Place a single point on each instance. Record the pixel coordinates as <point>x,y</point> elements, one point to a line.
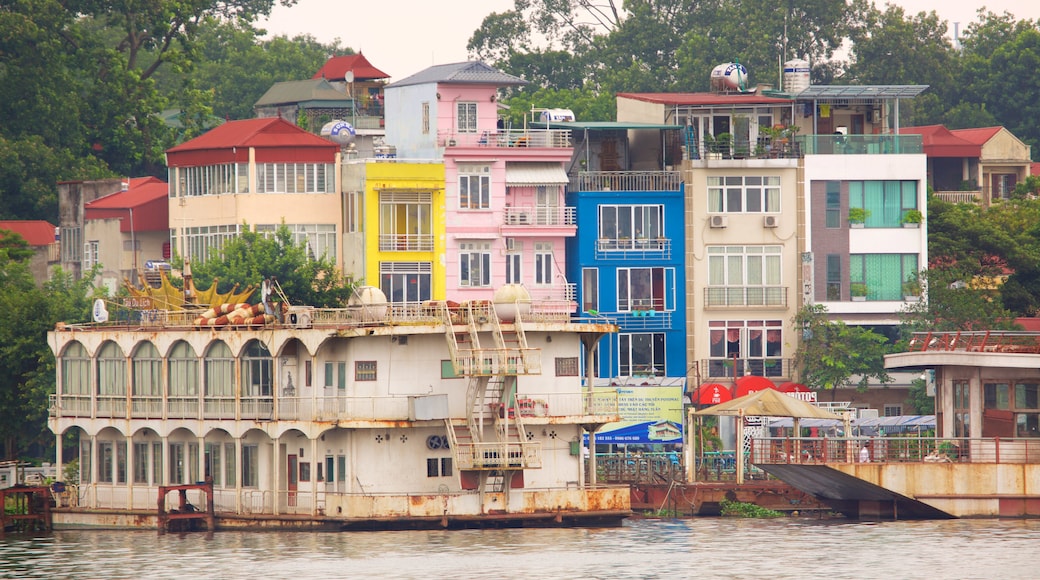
<point>111,372</point>
<point>184,370</point>
<point>257,367</point>
<point>75,370</point>
<point>220,371</point>
<point>147,367</point>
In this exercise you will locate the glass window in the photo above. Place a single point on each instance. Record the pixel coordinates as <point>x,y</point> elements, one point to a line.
<point>590,290</point>
<point>740,347</point>
<point>75,370</point>
<point>833,211</point>
<point>474,186</point>
<point>475,264</point>
<point>886,202</point>
<point>220,371</point>
<point>257,366</point>
<point>622,227</point>
<point>995,396</point>
<point>111,370</point>
<point>250,466</point>
<point>406,281</point>
<point>744,194</point>
<point>184,370</point>
<point>883,274</point>
<point>642,354</point>
<point>644,289</point>
<point>467,117</point>
<point>745,276</point>
<point>147,370</point>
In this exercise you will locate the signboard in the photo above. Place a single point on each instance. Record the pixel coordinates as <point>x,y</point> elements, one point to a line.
<point>650,415</point>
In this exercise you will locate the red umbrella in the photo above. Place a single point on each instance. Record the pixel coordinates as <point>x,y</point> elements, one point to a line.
<point>750,384</point>
<point>790,387</point>
<point>712,394</point>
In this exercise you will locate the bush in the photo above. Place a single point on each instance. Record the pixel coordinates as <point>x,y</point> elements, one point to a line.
<point>738,509</point>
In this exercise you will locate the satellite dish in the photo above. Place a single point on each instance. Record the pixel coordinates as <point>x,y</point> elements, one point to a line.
<point>349,76</point>
<point>100,312</point>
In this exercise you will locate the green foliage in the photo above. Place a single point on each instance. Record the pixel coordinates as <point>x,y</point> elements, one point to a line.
<point>251,257</point>
<point>918,401</point>
<point>830,353</point>
<point>858,215</point>
<point>857,289</point>
<point>913,216</point>
<point>738,509</point>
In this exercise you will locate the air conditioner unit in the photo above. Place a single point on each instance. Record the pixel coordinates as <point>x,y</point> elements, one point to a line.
<point>300,318</point>
<point>718,221</point>
<point>770,221</point>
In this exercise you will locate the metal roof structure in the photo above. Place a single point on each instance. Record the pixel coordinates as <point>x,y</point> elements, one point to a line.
<point>863,92</point>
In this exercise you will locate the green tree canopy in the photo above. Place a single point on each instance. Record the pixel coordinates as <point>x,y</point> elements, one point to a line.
<point>831,353</point>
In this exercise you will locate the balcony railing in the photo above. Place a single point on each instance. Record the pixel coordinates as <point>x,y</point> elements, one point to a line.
<point>860,144</point>
<point>727,368</point>
<point>552,138</point>
<point>806,450</point>
<point>641,248</point>
<point>745,296</point>
<point>630,181</point>
<point>982,341</point>
<point>540,216</point>
<point>972,197</point>
<point>405,243</point>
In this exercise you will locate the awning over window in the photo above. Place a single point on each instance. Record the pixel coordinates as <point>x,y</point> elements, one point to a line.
<point>535,174</point>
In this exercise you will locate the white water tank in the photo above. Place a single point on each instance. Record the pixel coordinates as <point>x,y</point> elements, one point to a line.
<point>729,77</point>
<point>371,302</point>
<point>796,76</point>
<point>510,300</point>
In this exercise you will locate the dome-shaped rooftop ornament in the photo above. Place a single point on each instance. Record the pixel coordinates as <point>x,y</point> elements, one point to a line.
<point>512,300</point>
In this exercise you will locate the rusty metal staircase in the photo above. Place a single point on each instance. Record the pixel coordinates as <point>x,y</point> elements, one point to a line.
<point>492,439</point>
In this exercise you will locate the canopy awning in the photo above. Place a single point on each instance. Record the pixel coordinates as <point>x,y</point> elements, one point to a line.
<point>769,403</point>
<point>536,174</point>
<point>711,394</point>
<point>749,384</point>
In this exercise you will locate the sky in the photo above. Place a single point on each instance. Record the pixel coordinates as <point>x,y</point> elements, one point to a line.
<point>403,37</point>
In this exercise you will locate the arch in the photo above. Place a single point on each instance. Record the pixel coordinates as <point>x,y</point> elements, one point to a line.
<point>75,370</point>
<point>111,370</point>
<point>182,379</point>
<point>218,372</point>
<point>257,369</point>
<point>146,364</point>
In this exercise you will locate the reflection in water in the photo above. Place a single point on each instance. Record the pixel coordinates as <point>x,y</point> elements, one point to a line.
<point>703,547</point>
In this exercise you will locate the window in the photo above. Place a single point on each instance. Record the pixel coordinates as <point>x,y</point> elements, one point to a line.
<point>743,347</point>
<point>75,370</point>
<point>961,408</point>
<point>336,376</point>
<point>893,410</point>
<point>71,245</point>
<point>744,194</point>
<point>645,289</point>
<point>448,370</point>
<point>106,462</point>
<point>257,366</point>
<point>295,178</point>
<point>219,369</point>
<point>200,243</point>
<point>543,264</point>
<point>141,462</point>
<point>147,369</point>
<point>834,272</point>
<point>355,216</point>
<point>426,118</point>
<point>641,354</point>
<point>406,281</point>
<point>209,180</point>
<point>883,274</point>
<point>111,372</point>
<point>183,370</point>
<point>590,290</point>
<point>623,227</point>
<point>466,121</point>
<point>85,460</point>
<point>214,467</point>
<point>567,366</point>
<point>474,186</point>
<point>250,466</point>
<point>405,221</point>
<point>230,471</point>
<point>833,211</point>
<point>438,467</point>
<point>318,239</point>
<point>177,471</point>
<point>745,276</point>
<point>1017,404</point>
<point>91,254</point>
<point>514,259</point>
<point>475,264</point>
<point>886,202</point>
<point>365,370</point>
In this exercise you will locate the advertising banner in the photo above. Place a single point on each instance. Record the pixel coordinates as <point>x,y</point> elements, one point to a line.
<point>650,415</point>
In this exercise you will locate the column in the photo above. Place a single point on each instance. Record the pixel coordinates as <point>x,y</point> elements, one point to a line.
<point>314,476</point>
<point>276,453</point>
<point>93,470</point>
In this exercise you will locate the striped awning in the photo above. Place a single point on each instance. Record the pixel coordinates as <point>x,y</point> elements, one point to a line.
<point>535,174</point>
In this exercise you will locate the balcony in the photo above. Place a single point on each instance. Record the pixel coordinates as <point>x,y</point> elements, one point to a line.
<point>630,181</point>
<point>405,243</point>
<point>972,197</point>
<point>539,216</point>
<point>745,296</point>
<point>510,139</point>
<point>634,248</point>
<point>729,369</point>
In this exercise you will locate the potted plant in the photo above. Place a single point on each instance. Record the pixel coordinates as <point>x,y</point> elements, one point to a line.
<point>723,145</point>
<point>857,216</point>
<point>858,290</point>
<point>912,218</point>
<point>912,289</point>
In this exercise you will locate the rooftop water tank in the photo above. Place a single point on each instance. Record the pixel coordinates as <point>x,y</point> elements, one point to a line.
<point>796,76</point>
<point>510,300</point>
<point>729,77</point>
<point>339,131</point>
<point>370,301</point>
<point>553,115</point>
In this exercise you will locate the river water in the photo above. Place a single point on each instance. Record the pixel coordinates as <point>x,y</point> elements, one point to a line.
<point>688,548</point>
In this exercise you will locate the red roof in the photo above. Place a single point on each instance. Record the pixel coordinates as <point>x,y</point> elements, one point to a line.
<point>733,99</point>
<point>979,136</point>
<point>274,139</point>
<point>146,200</point>
<point>335,69</point>
<point>36,232</point>
<point>1029,324</point>
<point>1034,169</point>
<point>939,141</point>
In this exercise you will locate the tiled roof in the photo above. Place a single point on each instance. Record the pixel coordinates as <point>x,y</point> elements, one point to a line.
<point>301,91</point>
<point>336,68</point>
<point>695,99</point>
<point>978,136</point>
<point>36,232</point>
<point>459,73</point>
<point>938,141</point>
<point>266,132</point>
<point>141,191</point>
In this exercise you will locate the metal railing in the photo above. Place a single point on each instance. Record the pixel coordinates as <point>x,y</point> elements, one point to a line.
<point>727,368</point>
<point>997,341</point>
<point>809,450</point>
<point>630,181</point>
<point>539,216</point>
<point>511,138</point>
<point>405,243</point>
<point>972,197</point>
<point>724,296</point>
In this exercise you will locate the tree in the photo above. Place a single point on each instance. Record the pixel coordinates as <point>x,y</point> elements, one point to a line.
<point>918,400</point>
<point>831,353</point>
<point>251,257</point>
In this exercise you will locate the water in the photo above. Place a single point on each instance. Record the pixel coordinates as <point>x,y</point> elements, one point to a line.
<point>699,547</point>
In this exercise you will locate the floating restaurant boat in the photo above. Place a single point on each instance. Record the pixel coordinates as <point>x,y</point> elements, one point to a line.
<point>377,415</point>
